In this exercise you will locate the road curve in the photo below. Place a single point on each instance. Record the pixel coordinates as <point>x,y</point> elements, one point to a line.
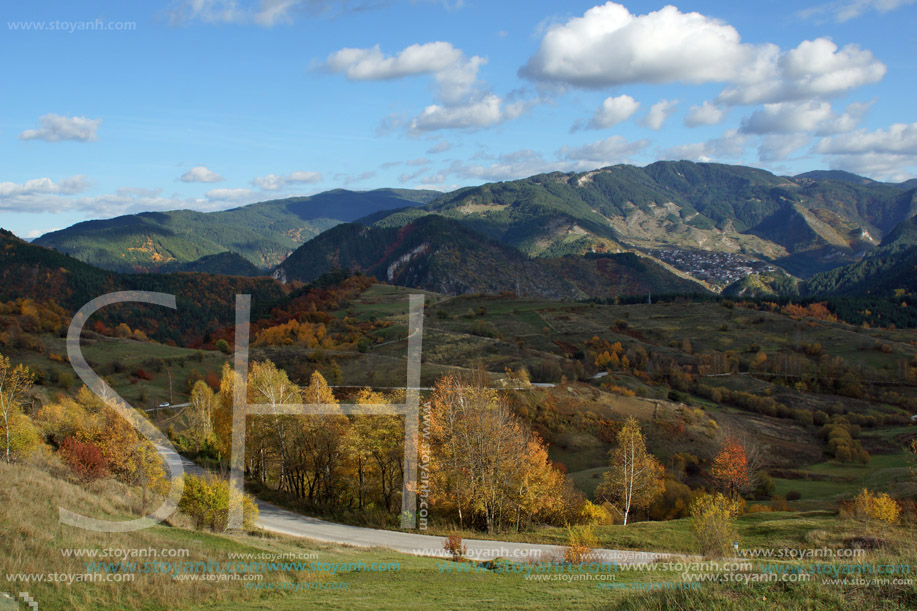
<point>276,519</point>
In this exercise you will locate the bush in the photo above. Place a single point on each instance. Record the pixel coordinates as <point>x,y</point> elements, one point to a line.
<point>580,543</point>
<point>713,523</point>
<point>876,506</point>
<point>85,459</point>
<point>453,544</point>
<point>793,495</point>
<point>778,503</point>
<point>206,501</point>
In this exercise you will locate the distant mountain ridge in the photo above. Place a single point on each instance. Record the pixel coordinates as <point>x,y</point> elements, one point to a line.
<point>805,224</point>
<point>263,233</point>
<point>442,255</point>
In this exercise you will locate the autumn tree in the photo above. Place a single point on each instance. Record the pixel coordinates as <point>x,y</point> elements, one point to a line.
<point>18,432</point>
<point>319,445</point>
<point>730,467</point>
<point>485,463</point>
<point>375,447</point>
<point>713,523</point>
<point>200,415</point>
<point>635,477</point>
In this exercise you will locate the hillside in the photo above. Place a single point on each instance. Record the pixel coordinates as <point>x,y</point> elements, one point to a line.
<point>263,233</point>
<point>805,224</point>
<point>439,254</point>
<point>204,301</point>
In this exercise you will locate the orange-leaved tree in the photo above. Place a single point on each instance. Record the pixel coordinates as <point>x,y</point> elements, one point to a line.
<point>730,467</point>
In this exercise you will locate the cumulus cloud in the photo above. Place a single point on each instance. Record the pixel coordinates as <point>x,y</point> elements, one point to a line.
<point>372,64</point>
<point>613,110</point>
<point>609,46</point>
<point>611,150</point>
<point>777,147</point>
<point>845,11</point>
<point>658,113</point>
<point>43,195</point>
<point>200,173</point>
<point>890,154</point>
<point>485,112</point>
<point>814,69</point>
<point>787,117</point>
<point>276,182</point>
<point>464,100</point>
<point>9,191</point>
<point>900,138</point>
<point>728,147</point>
<point>705,114</point>
<point>55,128</point>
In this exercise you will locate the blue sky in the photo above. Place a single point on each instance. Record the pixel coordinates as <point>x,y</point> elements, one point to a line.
<point>113,107</point>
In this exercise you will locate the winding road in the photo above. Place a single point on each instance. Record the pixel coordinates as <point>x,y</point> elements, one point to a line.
<point>275,519</point>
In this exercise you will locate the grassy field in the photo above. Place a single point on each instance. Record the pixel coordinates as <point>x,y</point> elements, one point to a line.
<point>34,541</point>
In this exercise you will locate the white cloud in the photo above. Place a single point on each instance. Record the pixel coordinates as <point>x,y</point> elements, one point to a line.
<point>41,186</point>
<point>889,154</point>
<point>845,11</point>
<point>372,64</point>
<point>658,113</point>
<point>613,110</point>
<point>728,147</point>
<point>200,173</point>
<point>509,166</point>
<point>485,112</point>
<point>899,138</point>
<point>275,182</point>
<point>440,147</point>
<point>777,147</point>
<point>239,195</point>
<point>609,46</point>
<point>205,11</point>
<point>605,152</point>
<point>787,117</point>
<point>348,179</point>
<point>272,12</point>
<point>55,128</point>
<point>814,69</point>
<point>705,114</point>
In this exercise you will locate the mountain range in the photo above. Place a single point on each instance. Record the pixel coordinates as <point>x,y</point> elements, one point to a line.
<point>558,235</point>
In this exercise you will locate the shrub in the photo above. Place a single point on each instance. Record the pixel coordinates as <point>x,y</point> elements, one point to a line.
<point>453,544</point>
<point>778,503</point>
<point>713,523</point>
<point>793,495</point>
<point>580,543</point>
<point>876,506</point>
<point>206,501</point>
<point>85,459</point>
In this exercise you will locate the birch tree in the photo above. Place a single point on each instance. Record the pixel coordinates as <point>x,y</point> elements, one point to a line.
<point>636,478</point>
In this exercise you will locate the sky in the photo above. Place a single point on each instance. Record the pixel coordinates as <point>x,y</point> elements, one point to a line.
<point>112,108</point>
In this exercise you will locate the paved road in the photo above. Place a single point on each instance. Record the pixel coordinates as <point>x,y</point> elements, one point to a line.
<point>278,520</point>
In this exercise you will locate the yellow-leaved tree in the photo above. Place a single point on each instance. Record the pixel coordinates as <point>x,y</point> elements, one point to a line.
<point>636,478</point>
<point>19,436</point>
